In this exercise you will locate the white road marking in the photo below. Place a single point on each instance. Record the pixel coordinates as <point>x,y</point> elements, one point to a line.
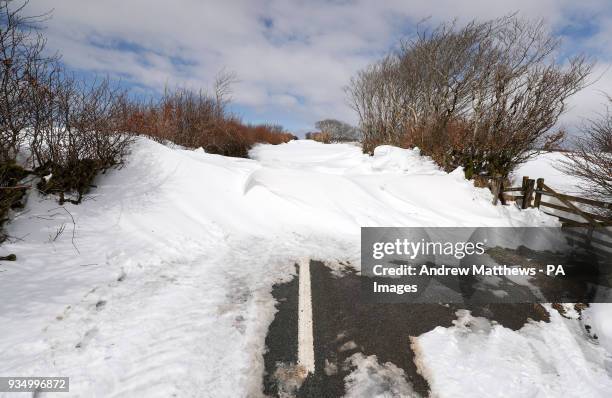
<point>305,337</point>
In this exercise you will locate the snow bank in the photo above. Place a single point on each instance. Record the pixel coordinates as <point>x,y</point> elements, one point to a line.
<point>162,284</point>
<point>343,188</point>
<point>392,158</point>
<point>476,358</point>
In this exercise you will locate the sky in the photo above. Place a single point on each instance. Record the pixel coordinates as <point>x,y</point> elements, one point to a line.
<point>292,58</point>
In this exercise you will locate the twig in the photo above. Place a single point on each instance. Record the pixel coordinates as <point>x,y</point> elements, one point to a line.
<point>16,239</point>
<point>16,187</point>
<point>43,218</point>
<point>59,231</point>
<point>73,229</point>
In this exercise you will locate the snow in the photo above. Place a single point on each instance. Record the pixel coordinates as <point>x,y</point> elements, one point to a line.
<point>599,315</point>
<point>546,165</point>
<point>162,285</point>
<point>345,189</point>
<point>373,380</point>
<point>477,358</point>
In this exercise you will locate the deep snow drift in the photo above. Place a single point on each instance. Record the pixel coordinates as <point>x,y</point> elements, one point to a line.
<point>162,284</point>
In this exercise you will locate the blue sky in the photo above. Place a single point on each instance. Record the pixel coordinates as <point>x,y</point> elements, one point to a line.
<point>292,58</point>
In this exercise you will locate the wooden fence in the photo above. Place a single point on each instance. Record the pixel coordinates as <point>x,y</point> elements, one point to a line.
<point>589,227</point>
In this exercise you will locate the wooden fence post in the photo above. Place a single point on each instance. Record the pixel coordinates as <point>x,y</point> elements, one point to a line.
<point>529,185</point>
<point>501,191</point>
<point>495,188</point>
<point>538,195</point>
<point>524,190</point>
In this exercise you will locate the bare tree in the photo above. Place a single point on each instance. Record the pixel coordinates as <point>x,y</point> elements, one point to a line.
<point>223,89</point>
<point>482,96</point>
<point>377,95</point>
<point>21,65</point>
<point>22,58</point>
<point>591,161</point>
<point>338,131</point>
<point>41,101</point>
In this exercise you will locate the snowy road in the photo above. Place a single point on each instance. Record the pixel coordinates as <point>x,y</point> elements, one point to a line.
<point>347,333</point>
<point>163,285</point>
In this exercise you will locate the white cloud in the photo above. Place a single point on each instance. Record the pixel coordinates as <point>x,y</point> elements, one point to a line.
<point>591,102</point>
<point>292,57</point>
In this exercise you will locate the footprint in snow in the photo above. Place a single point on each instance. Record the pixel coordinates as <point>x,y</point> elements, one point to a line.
<point>86,338</point>
<point>100,304</point>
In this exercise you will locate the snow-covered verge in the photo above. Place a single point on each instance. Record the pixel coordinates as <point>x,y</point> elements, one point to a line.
<point>598,318</point>
<point>162,284</point>
<point>477,358</point>
<point>546,165</point>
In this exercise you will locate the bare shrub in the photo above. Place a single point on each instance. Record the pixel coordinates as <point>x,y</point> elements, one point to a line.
<point>319,136</point>
<point>81,136</point>
<point>197,119</point>
<point>483,96</point>
<point>10,193</point>
<point>66,128</point>
<point>268,134</point>
<point>22,61</point>
<point>591,161</point>
<point>21,58</point>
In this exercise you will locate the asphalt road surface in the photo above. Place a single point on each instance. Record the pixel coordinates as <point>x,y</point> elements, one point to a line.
<point>342,325</point>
